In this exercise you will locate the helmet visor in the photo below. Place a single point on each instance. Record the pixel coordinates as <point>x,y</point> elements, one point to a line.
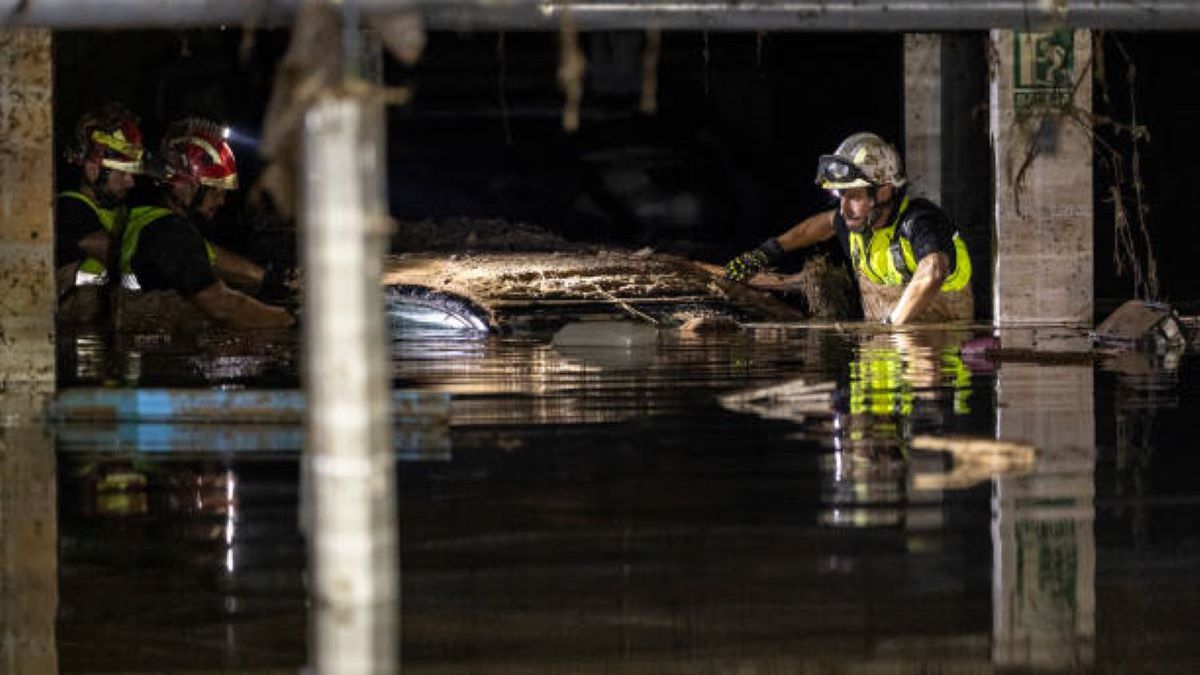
<point>835,172</point>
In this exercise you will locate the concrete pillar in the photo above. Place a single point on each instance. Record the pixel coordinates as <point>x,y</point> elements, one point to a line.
<point>353,530</point>
<point>945,139</point>
<point>1044,550</point>
<point>346,366</point>
<point>26,211</point>
<point>28,502</point>
<point>354,558</point>
<point>28,538</point>
<point>923,114</point>
<point>1043,166</point>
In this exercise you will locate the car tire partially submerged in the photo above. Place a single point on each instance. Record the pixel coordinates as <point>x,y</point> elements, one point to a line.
<point>410,306</point>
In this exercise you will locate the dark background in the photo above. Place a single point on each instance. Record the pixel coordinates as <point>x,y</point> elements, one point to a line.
<point>727,160</point>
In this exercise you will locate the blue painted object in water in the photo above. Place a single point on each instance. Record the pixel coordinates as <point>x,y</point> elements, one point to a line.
<point>225,406</point>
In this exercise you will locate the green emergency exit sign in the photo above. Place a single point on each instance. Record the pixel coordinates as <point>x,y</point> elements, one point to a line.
<point>1043,69</point>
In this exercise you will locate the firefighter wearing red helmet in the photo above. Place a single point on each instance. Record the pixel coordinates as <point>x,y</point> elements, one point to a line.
<point>910,263</point>
<point>106,151</point>
<point>167,265</point>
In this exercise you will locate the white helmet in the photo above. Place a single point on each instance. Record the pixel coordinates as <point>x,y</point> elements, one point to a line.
<point>862,160</point>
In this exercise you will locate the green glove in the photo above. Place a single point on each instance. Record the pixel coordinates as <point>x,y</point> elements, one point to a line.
<point>750,263</point>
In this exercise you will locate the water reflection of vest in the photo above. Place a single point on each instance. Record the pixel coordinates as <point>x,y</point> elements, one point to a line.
<point>93,271</point>
<point>887,257</point>
<point>139,218</point>
<point>881,382</point>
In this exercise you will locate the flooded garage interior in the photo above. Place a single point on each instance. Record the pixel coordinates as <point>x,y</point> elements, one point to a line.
<point>580,448</point>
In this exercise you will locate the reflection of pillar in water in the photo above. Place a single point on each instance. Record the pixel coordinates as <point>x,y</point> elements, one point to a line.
<point>28,542</point>
<point>1044,549</point>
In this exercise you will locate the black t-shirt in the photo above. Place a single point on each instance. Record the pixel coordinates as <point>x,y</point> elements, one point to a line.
<point>73,220</point>
<point>171,256</point>
<point>923,224</point>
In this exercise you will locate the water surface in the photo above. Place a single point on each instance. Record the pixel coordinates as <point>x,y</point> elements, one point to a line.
<point>745,503</point>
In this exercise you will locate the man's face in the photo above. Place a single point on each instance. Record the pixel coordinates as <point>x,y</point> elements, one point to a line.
<point>857,206</point>
<point>196,200</point>
<point>111,186</point>
<point>211,199</point>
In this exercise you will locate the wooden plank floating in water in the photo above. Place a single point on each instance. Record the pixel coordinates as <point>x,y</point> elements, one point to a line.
<point>226,406</point>
<point>975,460</point>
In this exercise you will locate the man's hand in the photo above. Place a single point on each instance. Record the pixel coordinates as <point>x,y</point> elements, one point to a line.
<point>750,263</point>
<point>278,285</point>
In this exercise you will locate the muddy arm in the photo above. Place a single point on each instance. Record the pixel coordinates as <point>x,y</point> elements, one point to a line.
<point>924,287</point>
<point>237,271</point>
<point>238,310</point>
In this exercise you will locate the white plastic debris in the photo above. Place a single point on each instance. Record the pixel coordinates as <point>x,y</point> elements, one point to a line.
<point>617,334</point>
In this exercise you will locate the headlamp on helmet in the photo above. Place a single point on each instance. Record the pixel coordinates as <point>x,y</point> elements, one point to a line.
<point>838,173</point>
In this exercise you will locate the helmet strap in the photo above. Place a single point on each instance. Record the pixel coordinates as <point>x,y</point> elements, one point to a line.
<point>175,201</point>
<point>193,206</point>
<point>877,209</point>
<point>104,198</point>
<point>873,214</point>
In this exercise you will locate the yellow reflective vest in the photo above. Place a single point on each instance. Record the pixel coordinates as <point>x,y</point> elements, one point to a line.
<point>139,218</point>
<point>92,271</point>
<point>887,258</point>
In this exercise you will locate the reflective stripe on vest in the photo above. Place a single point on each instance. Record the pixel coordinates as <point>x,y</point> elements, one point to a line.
<point>139,218</point>
<point>93,271</point>
<point>888,259</point>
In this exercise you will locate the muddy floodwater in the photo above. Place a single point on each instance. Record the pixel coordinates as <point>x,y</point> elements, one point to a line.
<point>781,499</point>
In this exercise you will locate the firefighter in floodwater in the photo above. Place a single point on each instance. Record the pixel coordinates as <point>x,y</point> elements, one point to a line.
<point>169,270</point>
<point>106,150</point>
<point>910,263</point>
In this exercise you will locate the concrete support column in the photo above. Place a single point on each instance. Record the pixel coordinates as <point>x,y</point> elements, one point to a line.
<point>946,152</point>
<point>26,210</point>
<point>347,372</point>
<point>353,536</point>
<point>1043,201</point>
<point>1044,550</point>
<point>923,114</point>
<point>28,538</point>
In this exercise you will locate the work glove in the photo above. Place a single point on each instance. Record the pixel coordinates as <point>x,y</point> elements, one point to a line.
<point>750,263</point>
<point>278,285</point>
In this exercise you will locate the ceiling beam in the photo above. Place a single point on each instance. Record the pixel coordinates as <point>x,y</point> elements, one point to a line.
<point>717,15</point>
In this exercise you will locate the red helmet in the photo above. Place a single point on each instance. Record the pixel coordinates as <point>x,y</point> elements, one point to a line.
<point>195,150</point>
<point>109,134</point>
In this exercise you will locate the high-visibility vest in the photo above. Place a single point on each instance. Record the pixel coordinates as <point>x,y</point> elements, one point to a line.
<point>887,257</point>
<point>139,218</point>
<point>93,271</point>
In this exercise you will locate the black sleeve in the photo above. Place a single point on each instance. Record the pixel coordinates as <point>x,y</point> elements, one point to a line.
<point>171,255</point>
<point>929,230</point>
<point>73,220</point>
